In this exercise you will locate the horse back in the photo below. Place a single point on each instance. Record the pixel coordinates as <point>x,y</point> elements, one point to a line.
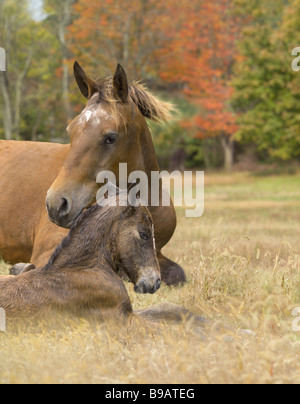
<point>27,171</point>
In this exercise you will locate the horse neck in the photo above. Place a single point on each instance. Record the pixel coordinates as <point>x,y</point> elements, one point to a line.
<point>149,160</point>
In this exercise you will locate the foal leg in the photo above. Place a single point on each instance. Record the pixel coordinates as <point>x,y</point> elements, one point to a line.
<point>171,273</point>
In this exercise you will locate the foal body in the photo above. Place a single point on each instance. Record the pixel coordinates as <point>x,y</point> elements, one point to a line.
<point>81,276</point>
<point>80,291</point>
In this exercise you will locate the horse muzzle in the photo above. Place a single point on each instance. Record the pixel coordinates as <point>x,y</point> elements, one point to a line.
<point>62,211</point>
<point>59,213</point>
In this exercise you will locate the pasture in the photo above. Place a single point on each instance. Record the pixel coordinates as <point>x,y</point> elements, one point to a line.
<point>242,260</point>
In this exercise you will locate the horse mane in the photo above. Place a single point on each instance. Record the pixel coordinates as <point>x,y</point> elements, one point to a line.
<point>149,105</point>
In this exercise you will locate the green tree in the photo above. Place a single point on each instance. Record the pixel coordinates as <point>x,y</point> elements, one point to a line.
<point>59,17</point>
<point>27,44</point>
<point>267,93</point>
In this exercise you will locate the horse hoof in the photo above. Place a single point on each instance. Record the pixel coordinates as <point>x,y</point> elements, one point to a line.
<point>19,269</point>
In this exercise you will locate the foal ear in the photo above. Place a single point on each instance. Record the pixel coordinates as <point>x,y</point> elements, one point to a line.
<point>87,86</point>
<point>121,84</point>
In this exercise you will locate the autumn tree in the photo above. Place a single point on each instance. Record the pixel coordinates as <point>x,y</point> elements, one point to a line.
<point>128,31</point>
<point>206,52</point>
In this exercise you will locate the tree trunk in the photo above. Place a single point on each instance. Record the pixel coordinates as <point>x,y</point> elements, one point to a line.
<point>126,41</point>
<point>228,149</point>
<point>36,126</point>
<point>64,21</point>
<point>12,114</point>
<point>7,108</point>
<point>18,101</point>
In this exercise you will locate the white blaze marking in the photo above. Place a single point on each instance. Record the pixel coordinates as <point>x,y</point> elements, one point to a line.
<point>154,241</point>
<point>88,115</point>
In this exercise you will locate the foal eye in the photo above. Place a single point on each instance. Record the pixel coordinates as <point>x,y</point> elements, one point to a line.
<point>144,236</point>
<point>110,138</point>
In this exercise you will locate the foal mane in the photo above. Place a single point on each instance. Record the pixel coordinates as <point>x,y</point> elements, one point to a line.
<point>149,105</point>
<point>102,216</point>
<point>94,219</point>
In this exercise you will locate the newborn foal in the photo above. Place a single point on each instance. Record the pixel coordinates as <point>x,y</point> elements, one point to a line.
<point>81,276</point>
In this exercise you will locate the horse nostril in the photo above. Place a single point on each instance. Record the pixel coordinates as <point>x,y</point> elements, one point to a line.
<point>156,286</point>
<point>64,208</point>
<point>141,287</point>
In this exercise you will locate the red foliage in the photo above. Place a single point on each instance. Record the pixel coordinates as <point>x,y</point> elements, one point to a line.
<point>190,42</point>
<point>202,54</point>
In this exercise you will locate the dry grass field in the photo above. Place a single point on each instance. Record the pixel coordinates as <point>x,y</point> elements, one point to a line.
<point>243,264</point>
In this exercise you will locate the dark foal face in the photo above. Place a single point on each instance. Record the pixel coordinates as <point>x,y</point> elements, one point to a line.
<point>136,245</point>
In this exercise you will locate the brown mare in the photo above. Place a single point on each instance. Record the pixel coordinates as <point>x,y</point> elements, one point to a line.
<point>111,129</point>
<point>82,278</point>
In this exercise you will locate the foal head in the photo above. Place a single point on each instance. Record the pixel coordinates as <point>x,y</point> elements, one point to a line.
<point>120,237</point>
<point>136,249</point>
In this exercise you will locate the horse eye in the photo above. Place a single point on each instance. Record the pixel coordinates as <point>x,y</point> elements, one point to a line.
<point>144,236</point>
<point>111,138</point>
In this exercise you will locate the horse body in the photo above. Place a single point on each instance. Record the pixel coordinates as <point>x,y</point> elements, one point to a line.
<point>111,129</point>
<point>27,171</point>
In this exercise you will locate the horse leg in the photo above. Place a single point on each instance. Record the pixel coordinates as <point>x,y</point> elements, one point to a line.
<point>165,223</point>
<point>171,273</point>
<point>21,268</point>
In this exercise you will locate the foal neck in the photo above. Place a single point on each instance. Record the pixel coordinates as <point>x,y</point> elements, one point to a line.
<point>88,244</point>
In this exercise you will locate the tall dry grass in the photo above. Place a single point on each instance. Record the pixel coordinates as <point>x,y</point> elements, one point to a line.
<point>243,264</point>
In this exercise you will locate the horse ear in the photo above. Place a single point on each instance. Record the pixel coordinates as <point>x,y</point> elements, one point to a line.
<point>121,84</point>
<point>87,86</point>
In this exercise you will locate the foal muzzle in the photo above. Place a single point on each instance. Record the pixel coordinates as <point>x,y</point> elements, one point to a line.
<point>145,285</point>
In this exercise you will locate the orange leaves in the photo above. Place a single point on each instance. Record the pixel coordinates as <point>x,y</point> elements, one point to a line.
<point>190,42</point>
<point>128,31</point>
<point>207,41</point>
